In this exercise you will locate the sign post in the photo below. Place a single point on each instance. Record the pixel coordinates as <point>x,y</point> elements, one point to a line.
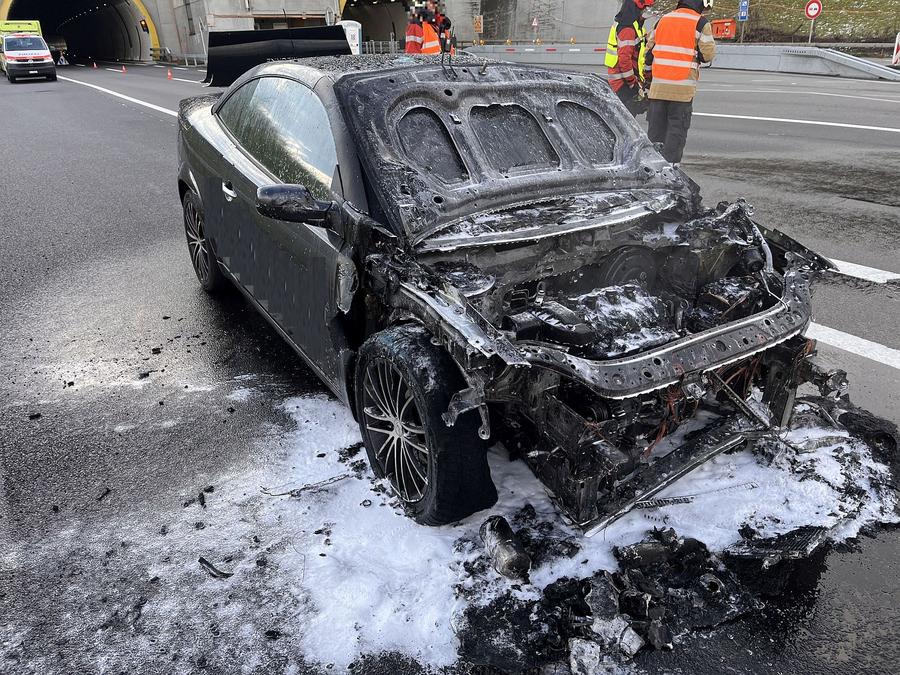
<point>743,15</point>
<point>813,9</point>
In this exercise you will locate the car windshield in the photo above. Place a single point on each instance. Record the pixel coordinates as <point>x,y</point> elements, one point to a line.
<point>22,44</point>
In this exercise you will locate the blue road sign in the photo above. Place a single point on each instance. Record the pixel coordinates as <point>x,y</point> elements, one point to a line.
<point>743,10</point>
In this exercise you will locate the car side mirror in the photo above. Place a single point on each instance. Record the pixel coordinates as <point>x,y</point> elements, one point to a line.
<point>292,203</point>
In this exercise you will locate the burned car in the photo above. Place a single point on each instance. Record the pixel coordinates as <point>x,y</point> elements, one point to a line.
<point>479,251</point>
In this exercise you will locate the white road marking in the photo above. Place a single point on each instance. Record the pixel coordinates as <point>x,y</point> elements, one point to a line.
<point>181,79</point>
<point>130,99</point>
<point>157,66</point>
<point>180,68</point>
<point>863,272</point>
<point>794,92</point>
<point>81,65</point>
<point>114,70</point>
<point>855,345</point>
<point>786,120</point>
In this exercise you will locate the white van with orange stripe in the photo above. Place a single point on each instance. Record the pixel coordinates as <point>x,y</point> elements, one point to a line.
<point>26,55</point>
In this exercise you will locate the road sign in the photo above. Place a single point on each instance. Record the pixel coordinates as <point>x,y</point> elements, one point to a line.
<point>723,29</point>
<point>813,9</point>
<point>534,22</point>
<point>743,10</point>
<point>478,23</point>
<point>896,60</point>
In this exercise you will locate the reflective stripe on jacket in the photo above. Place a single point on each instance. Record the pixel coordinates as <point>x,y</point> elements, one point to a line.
<point>623,45</point>
<point>678,44</point>
<point>430,42</point>
<point>414,38</point>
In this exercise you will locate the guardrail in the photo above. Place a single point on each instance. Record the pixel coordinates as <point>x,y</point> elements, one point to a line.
<point>803,60</point>
<point>165,55</point>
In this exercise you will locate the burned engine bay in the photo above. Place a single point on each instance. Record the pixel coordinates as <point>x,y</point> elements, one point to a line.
<point>585,351</point>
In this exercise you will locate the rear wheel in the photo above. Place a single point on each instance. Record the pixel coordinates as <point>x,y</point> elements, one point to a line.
<point>11,79</point>
<point>202,258</point>
<point>52,78</point>
<point>403,385</point>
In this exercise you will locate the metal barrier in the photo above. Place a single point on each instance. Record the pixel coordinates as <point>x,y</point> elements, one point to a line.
<point>771,58</point>
<point>800,60</point>
<point>165,55</point>
<point>382,47</point>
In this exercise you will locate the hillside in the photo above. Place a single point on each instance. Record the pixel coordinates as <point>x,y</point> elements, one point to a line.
<point>840,21</point>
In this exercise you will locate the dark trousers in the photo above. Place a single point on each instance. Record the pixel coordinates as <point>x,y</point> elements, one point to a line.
<point>629,96</point>
<point>668,123</point>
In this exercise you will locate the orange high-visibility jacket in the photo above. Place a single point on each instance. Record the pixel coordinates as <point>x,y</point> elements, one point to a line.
<point>675,48</point>
<point>414,38</point>
<point>430,42</point>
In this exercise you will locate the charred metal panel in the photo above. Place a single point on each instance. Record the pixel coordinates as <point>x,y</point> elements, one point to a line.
<point>420,201</point>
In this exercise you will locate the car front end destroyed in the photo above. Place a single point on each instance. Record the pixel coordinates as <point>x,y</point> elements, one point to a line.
<point>617,359</point>
<point>611,331</point>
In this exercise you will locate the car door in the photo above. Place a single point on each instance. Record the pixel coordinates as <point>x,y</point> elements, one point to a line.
<point>230,222</point>
<point>290,268</point>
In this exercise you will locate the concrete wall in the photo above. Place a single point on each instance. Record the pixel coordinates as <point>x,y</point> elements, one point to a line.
<point>558,20</point>
<point>587,21</point>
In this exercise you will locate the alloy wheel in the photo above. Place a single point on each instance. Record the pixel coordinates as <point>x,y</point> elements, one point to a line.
<point>193,221</point>
<point>395,424</point>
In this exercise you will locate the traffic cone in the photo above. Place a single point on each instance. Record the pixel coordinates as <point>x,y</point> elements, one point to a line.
<point>123,70</point>
<point>169,75</point>
<point>95,65</point>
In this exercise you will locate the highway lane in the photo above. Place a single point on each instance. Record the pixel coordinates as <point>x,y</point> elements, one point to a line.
<point>832,188</point>
<point>94,277</point>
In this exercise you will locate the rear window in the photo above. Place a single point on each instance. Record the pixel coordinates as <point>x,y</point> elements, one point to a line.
<point>592,137</point>
<point>23,44</point>
<point>428,145</point>
<point>512,138</point>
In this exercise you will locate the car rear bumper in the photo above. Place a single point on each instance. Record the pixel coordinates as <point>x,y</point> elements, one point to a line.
<point>30,69</point>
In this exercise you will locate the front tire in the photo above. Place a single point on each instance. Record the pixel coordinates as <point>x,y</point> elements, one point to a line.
<point>203,260</point>
<point>403,385</point>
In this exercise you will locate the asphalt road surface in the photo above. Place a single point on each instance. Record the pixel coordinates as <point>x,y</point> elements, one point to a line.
<point>115,369</point>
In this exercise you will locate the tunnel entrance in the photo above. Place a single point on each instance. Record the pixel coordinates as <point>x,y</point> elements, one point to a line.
<point>111,30</point>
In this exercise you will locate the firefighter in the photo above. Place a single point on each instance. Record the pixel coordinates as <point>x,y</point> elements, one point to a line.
<point>680,42</point>
<point>431,43</point>
<point>414,33</point>
<point>626,49</point>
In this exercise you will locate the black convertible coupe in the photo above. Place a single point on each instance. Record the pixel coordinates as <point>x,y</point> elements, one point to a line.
<point>486,252</point>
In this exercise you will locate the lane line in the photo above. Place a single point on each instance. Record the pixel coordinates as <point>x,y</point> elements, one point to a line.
<point>114,70</point>
<point>181,79</point>
<point>863,272</point>
<point>793,92</point>
<point>786,120</point>
<point>855,345</point>
<point>130,99</point>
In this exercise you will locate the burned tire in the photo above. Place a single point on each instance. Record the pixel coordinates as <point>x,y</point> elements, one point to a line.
<point>203,260</point>
<point>403,385</point>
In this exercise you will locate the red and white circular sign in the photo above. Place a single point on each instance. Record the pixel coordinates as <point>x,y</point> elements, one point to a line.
<point>813,9</point>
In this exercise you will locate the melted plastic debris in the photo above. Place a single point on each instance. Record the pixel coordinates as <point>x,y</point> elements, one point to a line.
<point>626,319</point>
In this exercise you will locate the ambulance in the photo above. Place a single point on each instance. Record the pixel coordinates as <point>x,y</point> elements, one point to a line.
<point>23,52</point>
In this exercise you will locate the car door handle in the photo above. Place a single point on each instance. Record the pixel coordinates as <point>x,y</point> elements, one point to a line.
<point>228,190</point>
